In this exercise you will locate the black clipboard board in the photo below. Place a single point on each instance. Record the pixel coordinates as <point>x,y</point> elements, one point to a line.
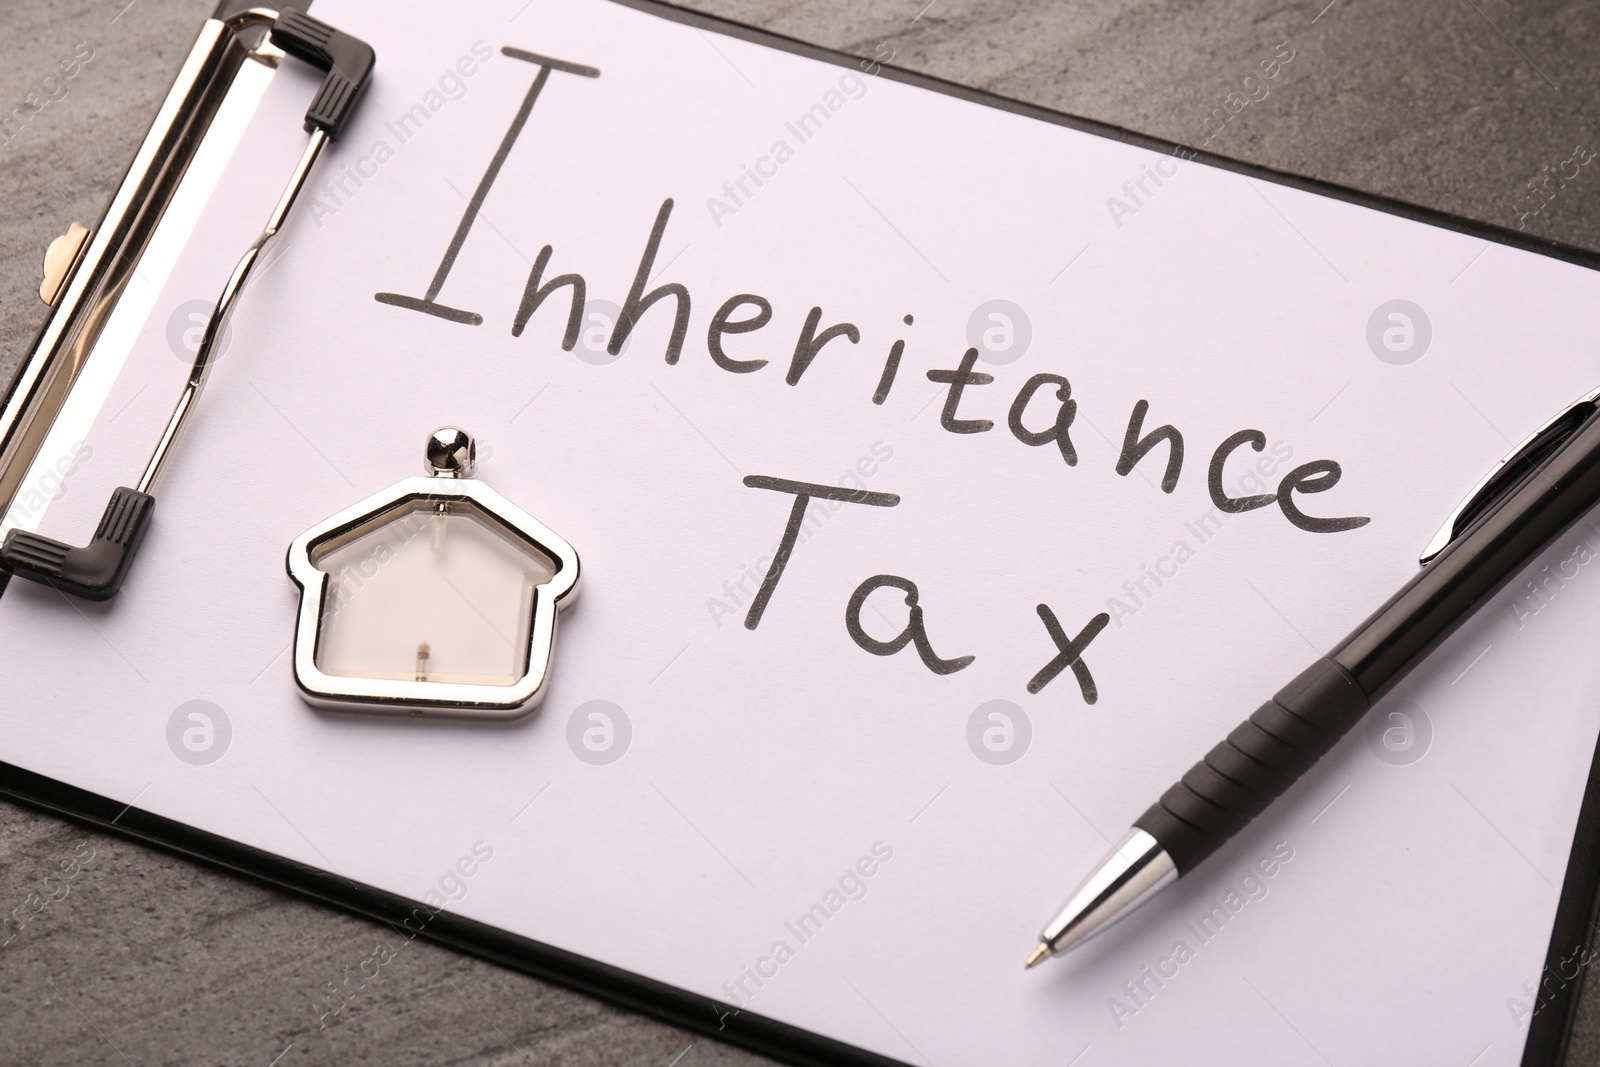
<point>1578,906</point>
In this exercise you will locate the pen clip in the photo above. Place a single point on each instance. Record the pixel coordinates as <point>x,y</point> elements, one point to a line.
<point>1510,472</point>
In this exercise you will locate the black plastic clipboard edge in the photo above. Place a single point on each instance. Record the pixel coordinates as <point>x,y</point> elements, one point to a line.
<point>409,918</point>
<point>1570,947</point>
<point>1572,941</point>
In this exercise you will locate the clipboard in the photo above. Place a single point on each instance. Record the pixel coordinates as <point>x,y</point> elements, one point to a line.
<point>28,414</point>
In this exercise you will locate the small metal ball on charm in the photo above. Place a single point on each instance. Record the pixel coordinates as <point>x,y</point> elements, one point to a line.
<point>437,595</point>
<point>452,453</point>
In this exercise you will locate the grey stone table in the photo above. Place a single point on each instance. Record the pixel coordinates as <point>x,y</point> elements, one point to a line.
<point>1456,105</point>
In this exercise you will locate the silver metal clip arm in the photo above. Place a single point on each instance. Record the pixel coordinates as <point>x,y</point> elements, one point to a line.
<point>223,311</point>
<point>1510,471</point>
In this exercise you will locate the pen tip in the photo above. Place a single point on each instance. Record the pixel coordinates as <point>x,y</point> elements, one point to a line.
<point>1040,953</point>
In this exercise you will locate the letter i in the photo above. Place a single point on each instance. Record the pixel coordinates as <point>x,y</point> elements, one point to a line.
<point>891,367</point>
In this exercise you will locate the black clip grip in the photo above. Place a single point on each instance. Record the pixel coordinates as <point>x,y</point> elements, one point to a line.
<point>348,61</point>
<point>95,571</point>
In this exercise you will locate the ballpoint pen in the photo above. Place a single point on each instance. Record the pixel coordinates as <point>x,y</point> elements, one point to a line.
<point>1530,497</point>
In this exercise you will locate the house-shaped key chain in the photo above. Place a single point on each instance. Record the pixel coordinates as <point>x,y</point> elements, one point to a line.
<point>437,595</point>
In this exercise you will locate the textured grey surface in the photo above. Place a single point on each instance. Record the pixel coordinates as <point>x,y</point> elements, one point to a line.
<point>151,959</point>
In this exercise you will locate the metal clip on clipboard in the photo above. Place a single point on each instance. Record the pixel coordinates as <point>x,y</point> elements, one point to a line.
<point>1514,468</point>
<point>85,275</point>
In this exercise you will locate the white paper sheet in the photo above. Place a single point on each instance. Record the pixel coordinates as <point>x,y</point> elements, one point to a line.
<point>763,765</point>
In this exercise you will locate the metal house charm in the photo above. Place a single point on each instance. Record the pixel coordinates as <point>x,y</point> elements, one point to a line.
<point>437,595</point>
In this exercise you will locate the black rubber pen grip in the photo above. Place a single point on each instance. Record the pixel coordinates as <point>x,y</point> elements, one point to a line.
<point>1285,736</point>
<point>1258,761</point>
